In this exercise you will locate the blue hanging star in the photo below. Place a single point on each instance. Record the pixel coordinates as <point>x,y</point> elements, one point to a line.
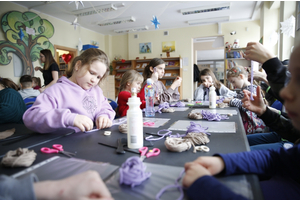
<point>155,22</point>
<point>21,34</point>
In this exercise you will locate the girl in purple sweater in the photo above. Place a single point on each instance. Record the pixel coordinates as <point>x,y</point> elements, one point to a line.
<point>75,102</point>
<point>282,165</point>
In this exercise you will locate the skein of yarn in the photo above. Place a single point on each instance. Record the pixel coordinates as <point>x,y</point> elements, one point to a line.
<point>132,172</point>
<point>19,158</point>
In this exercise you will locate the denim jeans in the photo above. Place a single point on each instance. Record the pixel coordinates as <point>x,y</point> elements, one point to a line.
<point>270,140</point>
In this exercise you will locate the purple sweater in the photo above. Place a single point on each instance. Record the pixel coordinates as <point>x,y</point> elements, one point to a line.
<point>59,104</point>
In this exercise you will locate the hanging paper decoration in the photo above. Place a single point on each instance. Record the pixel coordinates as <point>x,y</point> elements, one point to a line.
<point>123,60</point>
<point>30,31</point>
<point>75,24</point>
<point>155,22</point>
<point>77,3</point>
<point>21,34</point>
<point>66,58</point>
<point>288,26</point>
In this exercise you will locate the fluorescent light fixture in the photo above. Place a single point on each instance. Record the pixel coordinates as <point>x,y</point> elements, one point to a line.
<point>95,10</point>
<point>205,9</point>
<point>117,21</point>
<point>209,20</point>
<point>127,30</point>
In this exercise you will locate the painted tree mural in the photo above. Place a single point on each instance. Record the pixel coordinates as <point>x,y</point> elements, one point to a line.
<point>27,46</point>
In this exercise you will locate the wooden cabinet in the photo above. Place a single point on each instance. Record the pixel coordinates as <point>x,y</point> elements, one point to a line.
<point>233,58</point>
<point>172,70</point>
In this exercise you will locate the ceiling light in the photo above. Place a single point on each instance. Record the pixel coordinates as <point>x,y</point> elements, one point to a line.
<point>205,9</point>
<point>117,21</point>
<point>143,28</point>
<point>209,20</point>
<point>95,10</point>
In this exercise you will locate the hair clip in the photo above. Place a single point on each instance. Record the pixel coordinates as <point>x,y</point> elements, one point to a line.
<point>234,70</point>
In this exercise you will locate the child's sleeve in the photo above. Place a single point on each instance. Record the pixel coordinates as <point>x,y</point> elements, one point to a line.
<point>198,94</point>
<point>44,117</point>
<point>122,103</point>
<point>226,92</point>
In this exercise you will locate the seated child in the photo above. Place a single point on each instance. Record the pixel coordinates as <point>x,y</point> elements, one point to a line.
<point>281,165</point>
<point>156,70</point>
<point>238,77</point>
<point>207,79</point>
<point>75,101</point>
<point>12,106</point>
<point>36,83</point>
<point>130,79</point>
<point>26,87</point>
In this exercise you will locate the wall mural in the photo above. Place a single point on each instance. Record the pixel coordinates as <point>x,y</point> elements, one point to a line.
<point>27,34</point>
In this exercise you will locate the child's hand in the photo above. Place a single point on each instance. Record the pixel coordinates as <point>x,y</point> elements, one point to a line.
<point>227,100</point>
<point>213,164</point>
<point>257,52</point>
<point>37,68</point>
<point>193,171</point>
<point>257,105</point>
<point>176,83</point>
<point>83,122</point>
<point>103,122</point>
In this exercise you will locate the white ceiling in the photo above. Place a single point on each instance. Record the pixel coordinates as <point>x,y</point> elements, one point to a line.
<point>167,12</point>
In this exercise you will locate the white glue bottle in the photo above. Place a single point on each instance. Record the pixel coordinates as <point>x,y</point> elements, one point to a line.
<point>212,97</point>
<point>135,138</point>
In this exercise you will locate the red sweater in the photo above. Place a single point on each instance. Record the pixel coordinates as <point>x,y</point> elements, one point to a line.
<point>122,103</point>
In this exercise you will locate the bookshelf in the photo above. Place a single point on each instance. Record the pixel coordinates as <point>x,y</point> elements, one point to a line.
<point>232,58</point>
<point>59,51</point>
<point>172,70</point>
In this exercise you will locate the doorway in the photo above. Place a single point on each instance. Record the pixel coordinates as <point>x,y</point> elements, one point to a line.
<point>60,52</point>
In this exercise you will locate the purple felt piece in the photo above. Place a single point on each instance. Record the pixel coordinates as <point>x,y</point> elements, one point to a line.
<point>213,116</point>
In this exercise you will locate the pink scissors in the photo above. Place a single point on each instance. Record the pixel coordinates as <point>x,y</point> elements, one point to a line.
<point>58,148</point>
<point>144,154</point>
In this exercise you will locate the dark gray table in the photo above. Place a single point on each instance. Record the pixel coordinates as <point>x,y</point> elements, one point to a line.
<point>87,147</point>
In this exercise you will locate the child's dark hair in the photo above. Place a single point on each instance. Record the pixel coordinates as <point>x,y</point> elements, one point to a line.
<point>48,58</point>
<point>8,83</point>
<point>130,76</point>
<point>87,58</point>
<point>236,71</point>
<point>208,72</point>
<point>26,81</point>
<point>37,80</point>
<point>153,63</point>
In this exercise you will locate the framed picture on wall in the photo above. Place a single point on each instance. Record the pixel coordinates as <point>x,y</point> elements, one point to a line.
<point>145,47</point>
<point>168,46</point>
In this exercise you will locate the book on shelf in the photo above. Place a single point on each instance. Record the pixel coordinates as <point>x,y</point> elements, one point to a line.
<point>166,63</point>
<point>169,82</point>
<point>117,67</point>
<point>174,74</point>
<point>144,65</point>
<point>119,75</point>
<point>167,74</point>
<point>138,65</point>
<point>171,63</point>
<point>176,63</point>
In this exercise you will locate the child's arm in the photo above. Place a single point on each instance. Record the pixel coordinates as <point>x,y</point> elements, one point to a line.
<point>122,103</point>
<point>226,92</point>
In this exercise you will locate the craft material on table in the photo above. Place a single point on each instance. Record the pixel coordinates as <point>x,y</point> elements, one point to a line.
<point>144,154</point>
<point>213,127</point>
<point>19,158</point>
<point>157,122</point>
<point>57,148</point>
<point>7,133</point>
<point>115,122</point>
<point>220,111</point>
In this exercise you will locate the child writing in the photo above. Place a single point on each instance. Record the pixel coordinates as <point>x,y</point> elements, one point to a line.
<point>36,83</point>
<point>281,165</point>
<point>12,106</point>
<point>238,77</point>
<point>207,79</point>
<point>75,102</point>
<point>156,70</point>
<point>130,79</point>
